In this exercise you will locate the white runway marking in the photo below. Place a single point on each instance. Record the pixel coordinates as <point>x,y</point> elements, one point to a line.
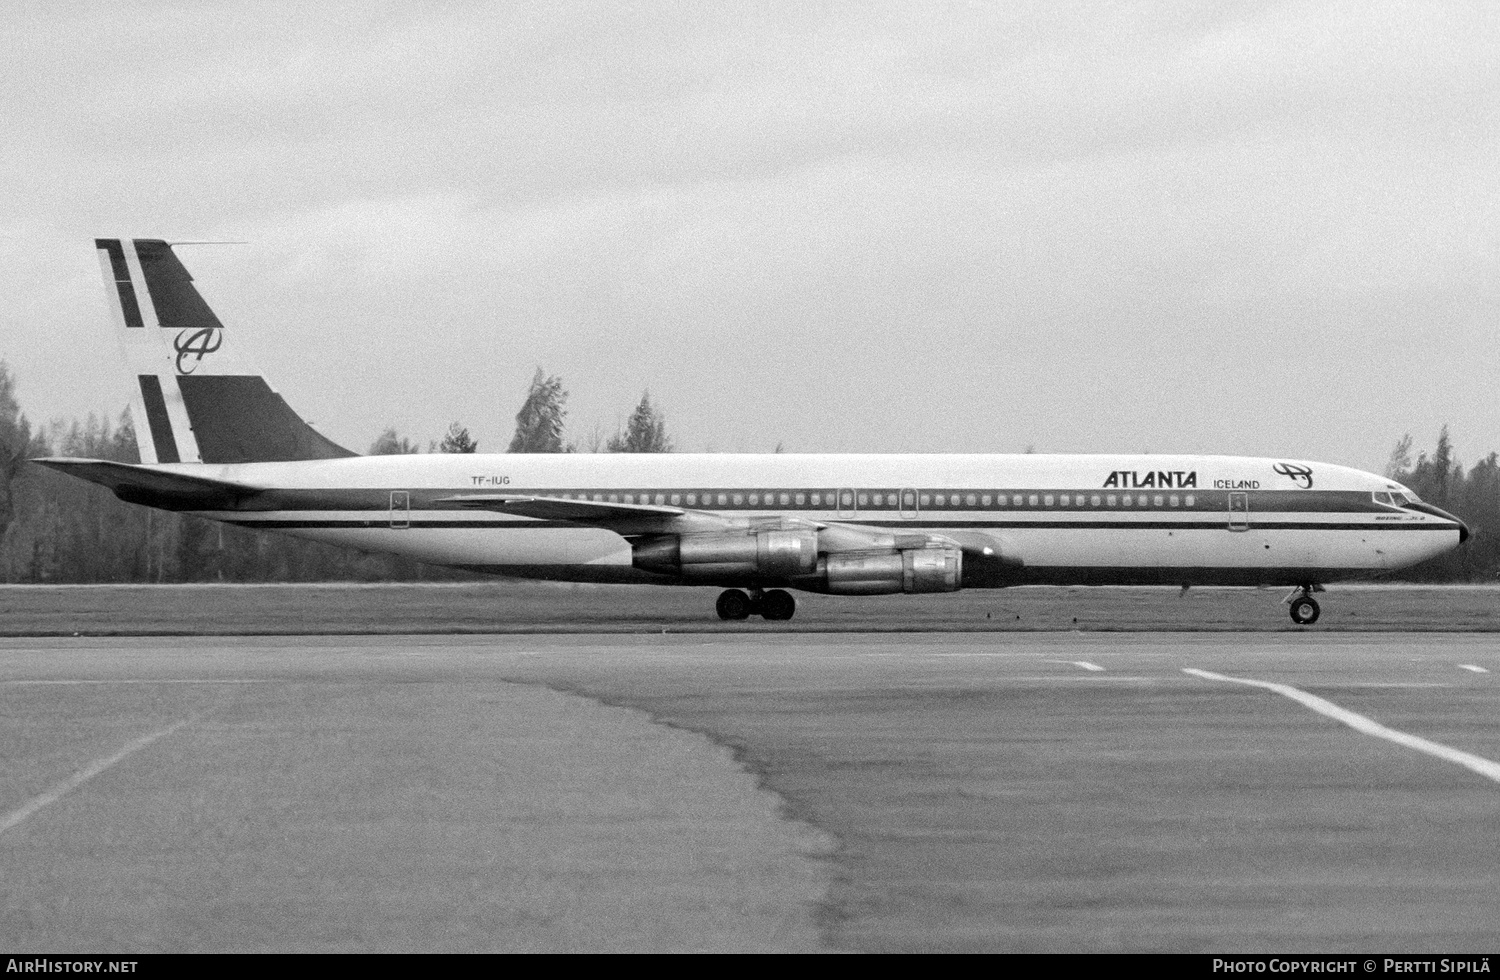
<point>79,778</point>
<point>1358,722</point>
<point>1476,669</point>
<point>1078,663</point>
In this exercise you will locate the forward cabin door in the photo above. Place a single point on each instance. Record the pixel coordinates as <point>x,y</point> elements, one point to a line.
<point>1239,511</point>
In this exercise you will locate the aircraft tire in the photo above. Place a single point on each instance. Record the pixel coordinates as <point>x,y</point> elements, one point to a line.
<point>1305,610</point>
<point>778,604</point>
<point>733,604</point>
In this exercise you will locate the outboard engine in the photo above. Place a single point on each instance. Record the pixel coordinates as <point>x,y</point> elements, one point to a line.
<point>912,570</point>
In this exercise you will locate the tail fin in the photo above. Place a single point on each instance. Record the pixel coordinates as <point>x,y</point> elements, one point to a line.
<point>193,401</point>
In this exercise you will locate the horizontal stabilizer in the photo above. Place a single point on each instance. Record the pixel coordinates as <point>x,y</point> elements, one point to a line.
<point>153,487</point>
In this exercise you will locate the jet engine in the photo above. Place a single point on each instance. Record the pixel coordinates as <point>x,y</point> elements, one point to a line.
<point>911,570</point>
<point>792,557</point>
<point>721,557</point>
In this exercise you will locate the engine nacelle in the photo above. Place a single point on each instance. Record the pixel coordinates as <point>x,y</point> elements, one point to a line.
<point>714,557</point>
<point>874,573</point>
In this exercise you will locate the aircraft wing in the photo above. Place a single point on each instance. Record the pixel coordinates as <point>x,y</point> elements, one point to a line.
<point>622,518</point>
<point>156,488</point>
<point>561,509</point>
<point>636,519</point>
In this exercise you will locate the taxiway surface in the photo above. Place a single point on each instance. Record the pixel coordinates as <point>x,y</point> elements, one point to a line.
<point>1006,792</point>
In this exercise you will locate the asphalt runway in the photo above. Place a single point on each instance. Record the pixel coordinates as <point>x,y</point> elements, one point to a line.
<point>890,792</point>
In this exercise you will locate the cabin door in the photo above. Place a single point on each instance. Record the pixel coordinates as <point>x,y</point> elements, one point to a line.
<point>908,504</point>
<point>1239,511</point>
<point>400,508</point>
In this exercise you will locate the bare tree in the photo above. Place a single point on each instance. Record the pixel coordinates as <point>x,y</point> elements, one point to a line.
<point>1400,461</point>
<point>595,441</point>
<point>390,444</point>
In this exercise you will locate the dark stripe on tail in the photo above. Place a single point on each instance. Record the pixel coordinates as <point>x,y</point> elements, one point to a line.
<point>178,305</point>
<point>238,419</point>
<point>156,417</point>
<point>123,285</point>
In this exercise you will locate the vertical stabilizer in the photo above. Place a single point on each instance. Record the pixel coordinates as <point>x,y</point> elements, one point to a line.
<point>193,398</point>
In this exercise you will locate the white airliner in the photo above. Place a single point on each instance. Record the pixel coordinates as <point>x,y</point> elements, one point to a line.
<point>218,442</point>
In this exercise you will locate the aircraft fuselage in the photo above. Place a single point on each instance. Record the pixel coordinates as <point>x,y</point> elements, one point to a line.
<point>1077,519</point>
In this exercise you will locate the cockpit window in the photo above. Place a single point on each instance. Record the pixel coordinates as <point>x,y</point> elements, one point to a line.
<point>1396,498</point>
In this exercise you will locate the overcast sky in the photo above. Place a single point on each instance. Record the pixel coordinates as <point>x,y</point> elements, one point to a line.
<point>1258,228</point>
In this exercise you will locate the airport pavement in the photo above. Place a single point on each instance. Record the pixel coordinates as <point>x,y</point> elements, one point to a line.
<point>1061,791</point>
<point>502,606</point>
<point>320,807</point>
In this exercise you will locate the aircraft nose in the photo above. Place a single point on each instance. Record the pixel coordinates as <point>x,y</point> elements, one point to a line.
<point>1463,529</point>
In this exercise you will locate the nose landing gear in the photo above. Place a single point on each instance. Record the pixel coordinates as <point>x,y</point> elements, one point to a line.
<point>777,604</point>
<point>1304,608</point>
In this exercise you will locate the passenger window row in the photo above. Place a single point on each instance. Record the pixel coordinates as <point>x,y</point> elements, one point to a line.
<point>883,500</point>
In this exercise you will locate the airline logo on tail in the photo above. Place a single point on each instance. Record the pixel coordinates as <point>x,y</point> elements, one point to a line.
<point>195,344</point>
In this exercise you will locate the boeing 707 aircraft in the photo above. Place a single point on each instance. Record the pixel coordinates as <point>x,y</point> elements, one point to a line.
<point>218,442</point>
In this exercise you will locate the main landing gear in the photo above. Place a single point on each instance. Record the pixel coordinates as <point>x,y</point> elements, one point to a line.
<point>775,604</point>
<point>1304,607</point>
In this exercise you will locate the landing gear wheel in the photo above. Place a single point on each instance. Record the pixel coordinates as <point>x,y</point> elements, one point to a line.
<point>1305,610</point>
<point>733,604</point>
<point>777,604</point>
